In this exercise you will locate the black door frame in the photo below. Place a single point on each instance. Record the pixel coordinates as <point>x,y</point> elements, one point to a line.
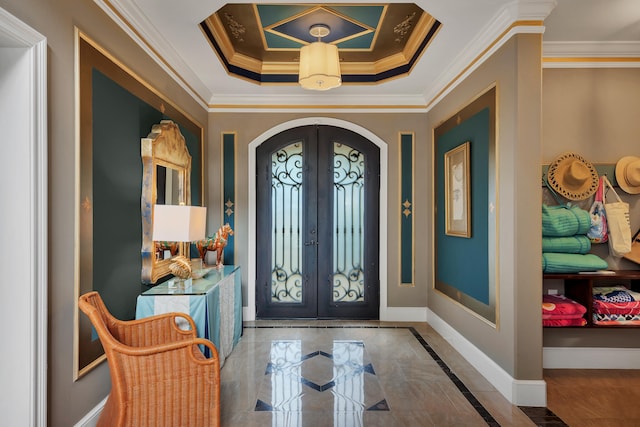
<point>319,178</point>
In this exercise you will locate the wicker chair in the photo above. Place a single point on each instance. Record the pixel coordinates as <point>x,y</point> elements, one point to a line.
<point>159,376</point>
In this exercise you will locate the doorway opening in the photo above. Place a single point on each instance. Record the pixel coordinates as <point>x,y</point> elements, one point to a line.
<point>318,192</point>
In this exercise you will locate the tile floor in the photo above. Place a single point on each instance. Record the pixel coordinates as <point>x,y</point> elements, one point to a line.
<point>350,374</point>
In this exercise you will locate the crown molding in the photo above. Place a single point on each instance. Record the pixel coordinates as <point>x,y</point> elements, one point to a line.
<point>15,33</point>
<point>515,18</point>
<point>128,16</point>
<point>318,103</point>
<point>530,10</point>
<point>591,49</point>
<point>591,54</point>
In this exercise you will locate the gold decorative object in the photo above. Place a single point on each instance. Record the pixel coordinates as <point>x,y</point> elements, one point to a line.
<point>180,267</point>
<point>217,243</point>
<point>163,149</point>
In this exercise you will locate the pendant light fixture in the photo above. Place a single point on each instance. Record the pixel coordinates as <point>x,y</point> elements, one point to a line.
<point>319,62</point>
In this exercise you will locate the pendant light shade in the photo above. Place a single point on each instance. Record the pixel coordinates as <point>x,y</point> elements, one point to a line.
<point>319,66</point>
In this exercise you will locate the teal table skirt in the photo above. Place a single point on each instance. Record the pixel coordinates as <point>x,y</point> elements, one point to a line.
<point>214,303</point>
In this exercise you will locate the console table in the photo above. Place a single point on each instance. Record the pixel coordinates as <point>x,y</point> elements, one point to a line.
<point>214,302</point>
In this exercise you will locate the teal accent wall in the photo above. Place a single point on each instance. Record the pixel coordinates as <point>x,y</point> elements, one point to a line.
<point>120,120</point>
<point>463,263</point>
<point>229,190</point>
<point>406,209</point>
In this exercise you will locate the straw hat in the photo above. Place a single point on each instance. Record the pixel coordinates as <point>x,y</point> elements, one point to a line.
<point>572,176</point>
<point>628,174</point>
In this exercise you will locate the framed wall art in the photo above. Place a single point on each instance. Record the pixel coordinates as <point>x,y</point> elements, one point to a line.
<point>465,174</point>
<point>456,191</point>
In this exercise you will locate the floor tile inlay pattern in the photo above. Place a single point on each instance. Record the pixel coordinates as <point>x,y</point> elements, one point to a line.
<point>343,371</point>
<point>331,373</point>
<point>282,391</point>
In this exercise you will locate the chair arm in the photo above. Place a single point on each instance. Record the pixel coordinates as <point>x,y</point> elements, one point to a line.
<point>155,330</point>
<point>196,355</point>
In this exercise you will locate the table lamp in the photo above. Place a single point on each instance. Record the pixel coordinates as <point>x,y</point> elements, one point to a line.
<point>179,223</point>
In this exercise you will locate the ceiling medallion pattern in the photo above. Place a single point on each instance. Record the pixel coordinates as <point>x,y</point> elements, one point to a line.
<point>235,28</point>
<point>376,42</point>
<point>403,28</point>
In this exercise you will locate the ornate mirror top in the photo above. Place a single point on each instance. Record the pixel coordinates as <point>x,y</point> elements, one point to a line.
<point>166,172</point>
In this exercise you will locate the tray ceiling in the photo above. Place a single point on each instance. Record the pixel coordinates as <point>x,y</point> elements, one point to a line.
<point>403,56</point>
<point>261,42</point>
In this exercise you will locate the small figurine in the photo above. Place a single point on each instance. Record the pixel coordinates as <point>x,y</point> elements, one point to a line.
<point>215,243</point>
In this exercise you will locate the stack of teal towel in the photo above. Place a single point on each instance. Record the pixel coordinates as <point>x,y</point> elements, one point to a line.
<point>565,245</point>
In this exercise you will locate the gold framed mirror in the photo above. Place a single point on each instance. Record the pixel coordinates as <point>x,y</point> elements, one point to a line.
<point>166,172</point>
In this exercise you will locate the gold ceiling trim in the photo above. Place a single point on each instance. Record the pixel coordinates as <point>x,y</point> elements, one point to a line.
<point>216,26</point>
<point>376,34</point>
<point>280,68</point>
<point>326,8</point>
<point>422,28</point>
<point>247,62</point>
<point>390,62</point>
<point>367,68</point>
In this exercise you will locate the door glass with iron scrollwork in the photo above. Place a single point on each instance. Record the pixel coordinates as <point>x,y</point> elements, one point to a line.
<point>286,223</point>
<point>317,225</point>
<point>348,220</point>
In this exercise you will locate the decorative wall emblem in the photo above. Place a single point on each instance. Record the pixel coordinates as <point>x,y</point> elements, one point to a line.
<point>407,206</point>
<point>229,205</point>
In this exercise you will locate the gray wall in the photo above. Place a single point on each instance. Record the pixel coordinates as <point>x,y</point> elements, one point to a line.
<point>384,125</point>
<point>69,401</point>
<point>515,69</point>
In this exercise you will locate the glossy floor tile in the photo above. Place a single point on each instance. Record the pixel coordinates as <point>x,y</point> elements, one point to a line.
<point>351,374</point>
<point>338,375</point>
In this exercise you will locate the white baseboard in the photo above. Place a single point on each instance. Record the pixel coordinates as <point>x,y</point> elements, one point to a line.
<point>404,314</point>
<point>91,419</point>
<point>590,358</point>
<point>248,315</point>
<point>518,392</point>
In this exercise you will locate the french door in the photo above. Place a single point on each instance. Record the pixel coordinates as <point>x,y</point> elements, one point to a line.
<point>317,225</point>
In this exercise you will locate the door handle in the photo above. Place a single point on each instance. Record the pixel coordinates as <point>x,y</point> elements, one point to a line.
<point>311,243</point>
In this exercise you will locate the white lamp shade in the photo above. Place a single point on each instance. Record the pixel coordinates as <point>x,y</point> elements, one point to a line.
<point>174,223</point>
<point>319,66</point>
